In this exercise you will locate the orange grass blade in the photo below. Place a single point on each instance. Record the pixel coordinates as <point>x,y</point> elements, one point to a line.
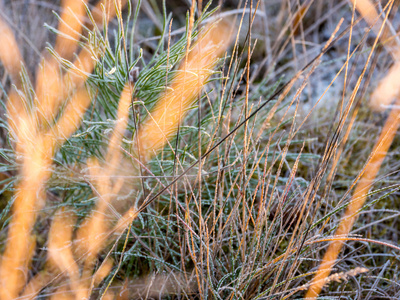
<point>85,62</point>
<point>49,90</point>
<point>125,220</point>
<point>28,200</point>
<point>83,65</point>
<point>71,117</point>
<point>103,271</point>
<point>16,113</point>
<point>36,284</point>
<point>170,109</point>
<point>360,194</point>
<point>388,89</point>
<point>367,10</point>
<point>60,249</point>
<point>94,232</point>
<point>114,151</point>
<point>10,55</point>
<point>63,293</point>
<point>36,149</point>
<point>70,27</point>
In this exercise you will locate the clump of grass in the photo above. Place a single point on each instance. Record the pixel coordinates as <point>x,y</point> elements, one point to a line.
<point>197,176</point>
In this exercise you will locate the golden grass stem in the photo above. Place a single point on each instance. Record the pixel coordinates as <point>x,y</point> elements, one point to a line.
<point>172,107</point>
<point>10,55</point>
<point>70,27</point>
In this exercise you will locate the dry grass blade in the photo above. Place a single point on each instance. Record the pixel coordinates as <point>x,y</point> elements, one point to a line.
<point>337,277</point>
<point>70,27</point>
<point>10,55</point>
<point>60,249</point>
<point>170,110</point>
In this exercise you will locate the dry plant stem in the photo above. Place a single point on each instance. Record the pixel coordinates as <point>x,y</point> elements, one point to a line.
<point>164,119</point>
<point>338,277</point>
<point>360,194</point>
<point>9,53</point>
<point>60,253</point>
<point>72,18</point>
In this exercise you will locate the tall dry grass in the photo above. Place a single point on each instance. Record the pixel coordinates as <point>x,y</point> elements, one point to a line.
<point>386,95</point>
